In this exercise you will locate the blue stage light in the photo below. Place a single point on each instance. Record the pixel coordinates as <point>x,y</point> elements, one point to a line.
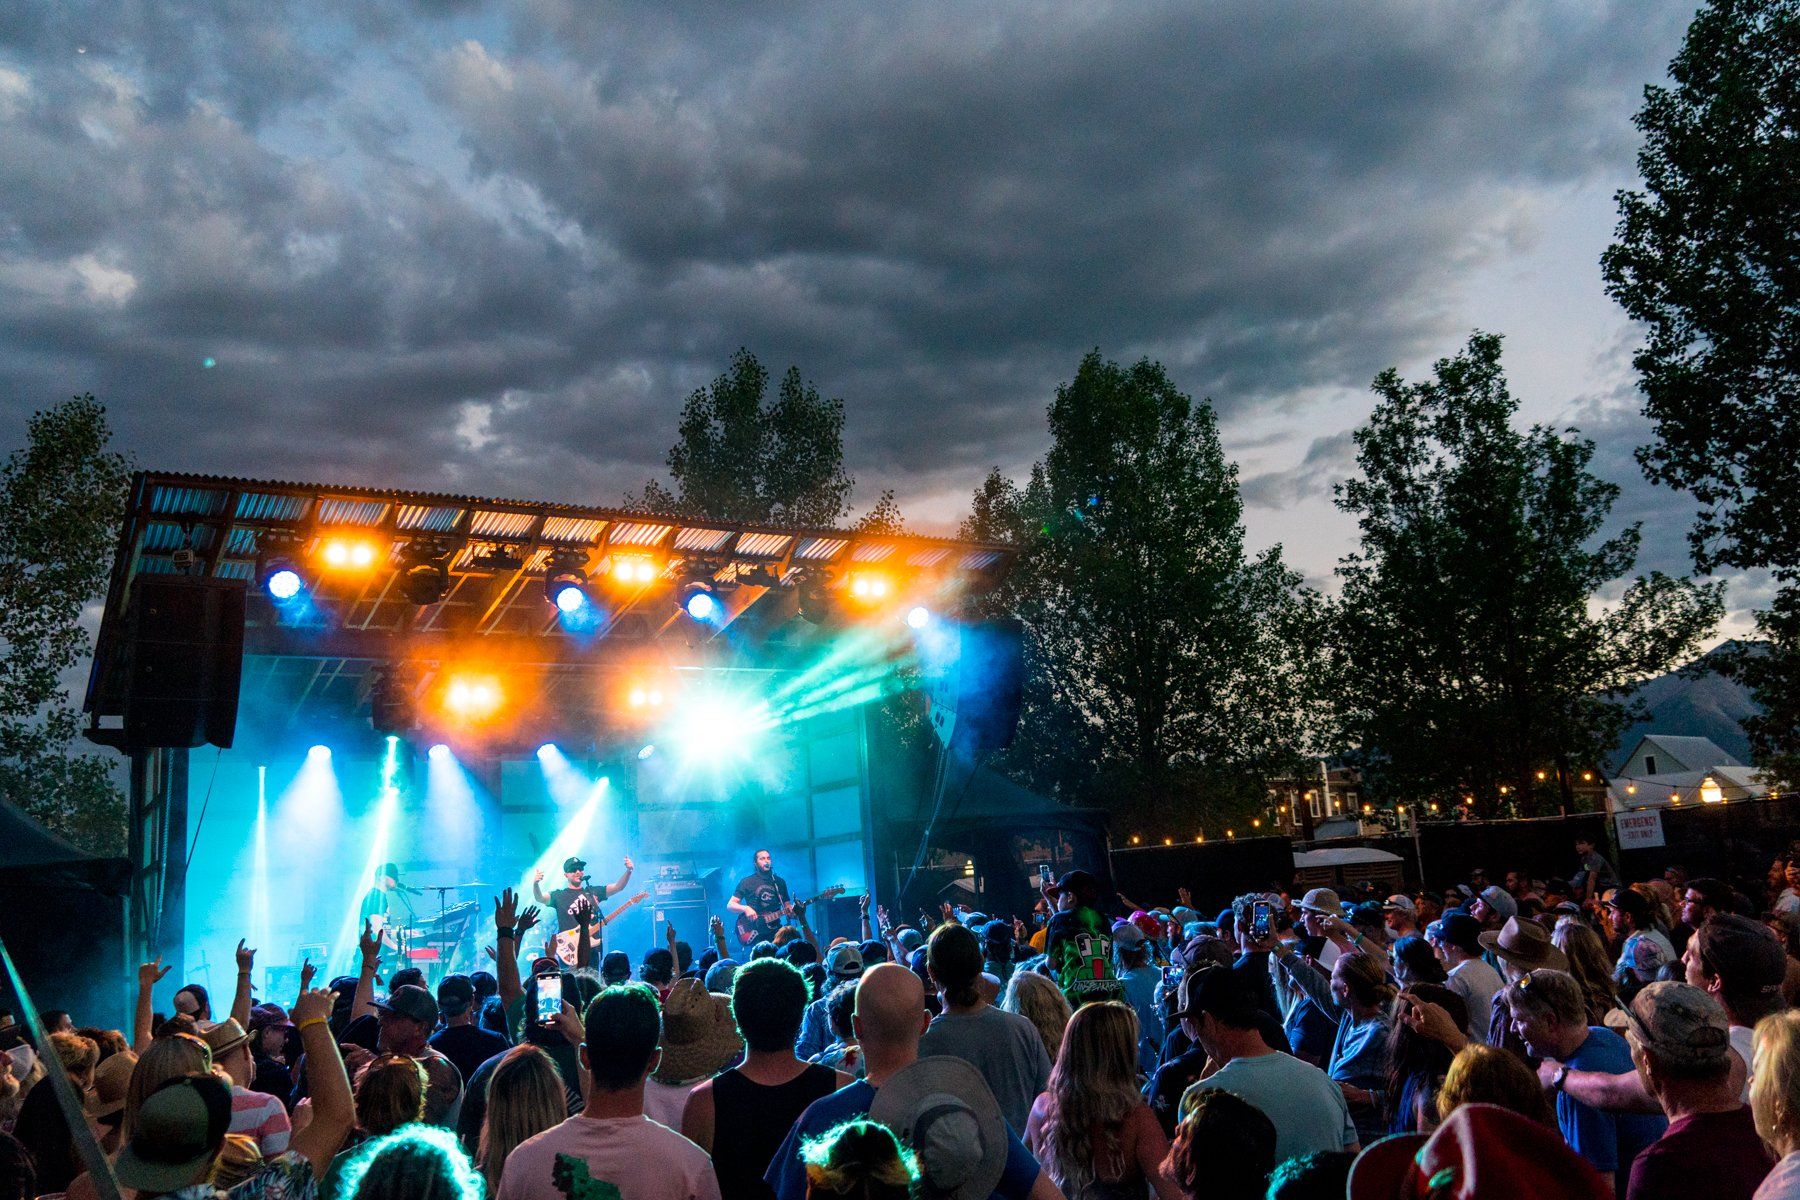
<point>319,752</point>
<point>439,752</point>
<point>702,606</point>
<point>283,584</point>
<point>571,598</point>
<point>647,751</point>
<point>918,616</point>
<point>546,750</point>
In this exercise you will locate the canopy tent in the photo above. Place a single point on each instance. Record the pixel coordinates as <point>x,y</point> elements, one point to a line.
<point>31,855</point>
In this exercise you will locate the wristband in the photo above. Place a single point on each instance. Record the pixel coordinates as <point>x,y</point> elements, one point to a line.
<point>504,932</point>
<point>370,964</point>
<point>303,1026</point>
<point>1562,1076</point>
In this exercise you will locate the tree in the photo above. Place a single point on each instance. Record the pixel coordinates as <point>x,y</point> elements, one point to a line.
<point>1469,653</point>
<point>61,497</point>
<point>1707,257</point>
<point>1163,678</point>
<point>739,458</point>
<point>884,517</point>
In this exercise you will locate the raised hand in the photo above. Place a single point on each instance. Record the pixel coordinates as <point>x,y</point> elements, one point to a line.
<point>568,1023</point>
<point>151,973</point>
<point>863,904</point>
<point>882,921</point>
<point>492,957</point>
<point>506,908</point>
<point>370,944</point>
<point>537,876</point>
<point>949,914</point>
<point>307,971</point>
<point>311,1004</point>
<point>716,927</point>
<point>669,935</point>
<point>1430,1020</point>
<point>1186,897</point>
<point>527,920</point>
<point>629,865</point>
<point>246,957</point>
<point>1019,932</point>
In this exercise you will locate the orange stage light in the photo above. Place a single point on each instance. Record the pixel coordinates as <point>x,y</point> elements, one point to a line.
<point>870,587</point>
<point>348,554</point>
<point>473,697</point>
<point>633,571</point>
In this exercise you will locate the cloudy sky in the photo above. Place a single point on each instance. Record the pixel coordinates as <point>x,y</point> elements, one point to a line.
<point>491,246</point>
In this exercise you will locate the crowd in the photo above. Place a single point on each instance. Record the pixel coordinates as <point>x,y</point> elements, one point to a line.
<point>1527,1037</point>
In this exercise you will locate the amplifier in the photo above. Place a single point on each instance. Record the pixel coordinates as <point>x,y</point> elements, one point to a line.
<point>678,892</point>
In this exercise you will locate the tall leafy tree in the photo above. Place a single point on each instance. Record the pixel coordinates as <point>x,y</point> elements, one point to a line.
<point>1165,672</point>
<point>741,457</point>
<point>61,497</point>
<point>1707,257</point>
<point>1472,648</point>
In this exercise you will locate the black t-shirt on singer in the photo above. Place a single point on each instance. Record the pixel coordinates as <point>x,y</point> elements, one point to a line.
<point>766,892</point>
<point>563,901</point>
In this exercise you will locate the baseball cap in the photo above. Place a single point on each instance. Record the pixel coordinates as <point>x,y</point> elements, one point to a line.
<point>388,871</point>
<point>545,965</point>
<point>572,863</point>
<point>910,939</point>
<point>615,967</point>
<point>1753,958</point>
<point>178,1131</point>
<point>1633,904</point>
<point>413,1002</point>
<point>845,961</point>
<point>1083,885</point>
<point>1683,1025</point>
<point>1399,903</point>
<point>1644,955</point>
<point>1500,900</point>
<point>995,932</point>
<point>455,995</point>
<point>1322,900</point>
<point>1127,936</point>
<point>1216,990</point>
<point>1460,930</point>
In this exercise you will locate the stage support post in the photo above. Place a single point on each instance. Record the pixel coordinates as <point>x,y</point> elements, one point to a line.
<point>156,920</point>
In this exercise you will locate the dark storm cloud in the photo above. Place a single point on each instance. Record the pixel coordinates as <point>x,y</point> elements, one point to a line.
<point>496,247</point>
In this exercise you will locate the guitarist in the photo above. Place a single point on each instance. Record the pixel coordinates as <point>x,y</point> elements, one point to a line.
<point>569,902</point>
<point>762,897</point>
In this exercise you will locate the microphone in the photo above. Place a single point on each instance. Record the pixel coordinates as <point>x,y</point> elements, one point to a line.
<point>410,891</point>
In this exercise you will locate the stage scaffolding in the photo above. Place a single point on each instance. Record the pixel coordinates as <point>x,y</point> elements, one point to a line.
<point>317,672</point>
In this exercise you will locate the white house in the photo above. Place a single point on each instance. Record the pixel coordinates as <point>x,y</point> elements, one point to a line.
<point>1667,772</point>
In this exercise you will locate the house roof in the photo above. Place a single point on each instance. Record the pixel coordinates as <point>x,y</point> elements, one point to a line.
<point>1694,753</point>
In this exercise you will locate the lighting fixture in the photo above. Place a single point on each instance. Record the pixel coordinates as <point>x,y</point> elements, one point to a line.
<point>566,581</point>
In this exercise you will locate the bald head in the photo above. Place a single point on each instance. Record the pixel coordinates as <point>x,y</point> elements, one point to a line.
<point>890,1009</point>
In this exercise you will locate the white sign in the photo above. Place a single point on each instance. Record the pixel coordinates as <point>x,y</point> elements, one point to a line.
<point>1640,830</point>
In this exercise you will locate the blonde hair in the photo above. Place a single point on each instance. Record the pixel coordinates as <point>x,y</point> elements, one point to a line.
<point>1093,1088</point>
<point>1488,1075</point>
<point>525,1097</point>
<point>1366,977</point>
<point>390,1093</point>
<point>1037,998</point>
<point>78,1055</point>
<point>1775,1082</point>
<point>166,1058</point>
<point>1590,967</point>
<point>860,1159</point>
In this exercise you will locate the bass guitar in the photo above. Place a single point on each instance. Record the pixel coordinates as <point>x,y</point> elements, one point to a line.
<point>751,930</point>
<point>565,941</point>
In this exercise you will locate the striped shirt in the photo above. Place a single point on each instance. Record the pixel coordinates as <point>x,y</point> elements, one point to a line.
<point>262,1117</point>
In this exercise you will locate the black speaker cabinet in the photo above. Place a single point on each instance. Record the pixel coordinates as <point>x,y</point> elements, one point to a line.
<point>183,660</point>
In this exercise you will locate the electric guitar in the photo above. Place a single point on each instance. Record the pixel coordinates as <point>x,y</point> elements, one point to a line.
<point>751,930</point>
<point>565,941</point>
